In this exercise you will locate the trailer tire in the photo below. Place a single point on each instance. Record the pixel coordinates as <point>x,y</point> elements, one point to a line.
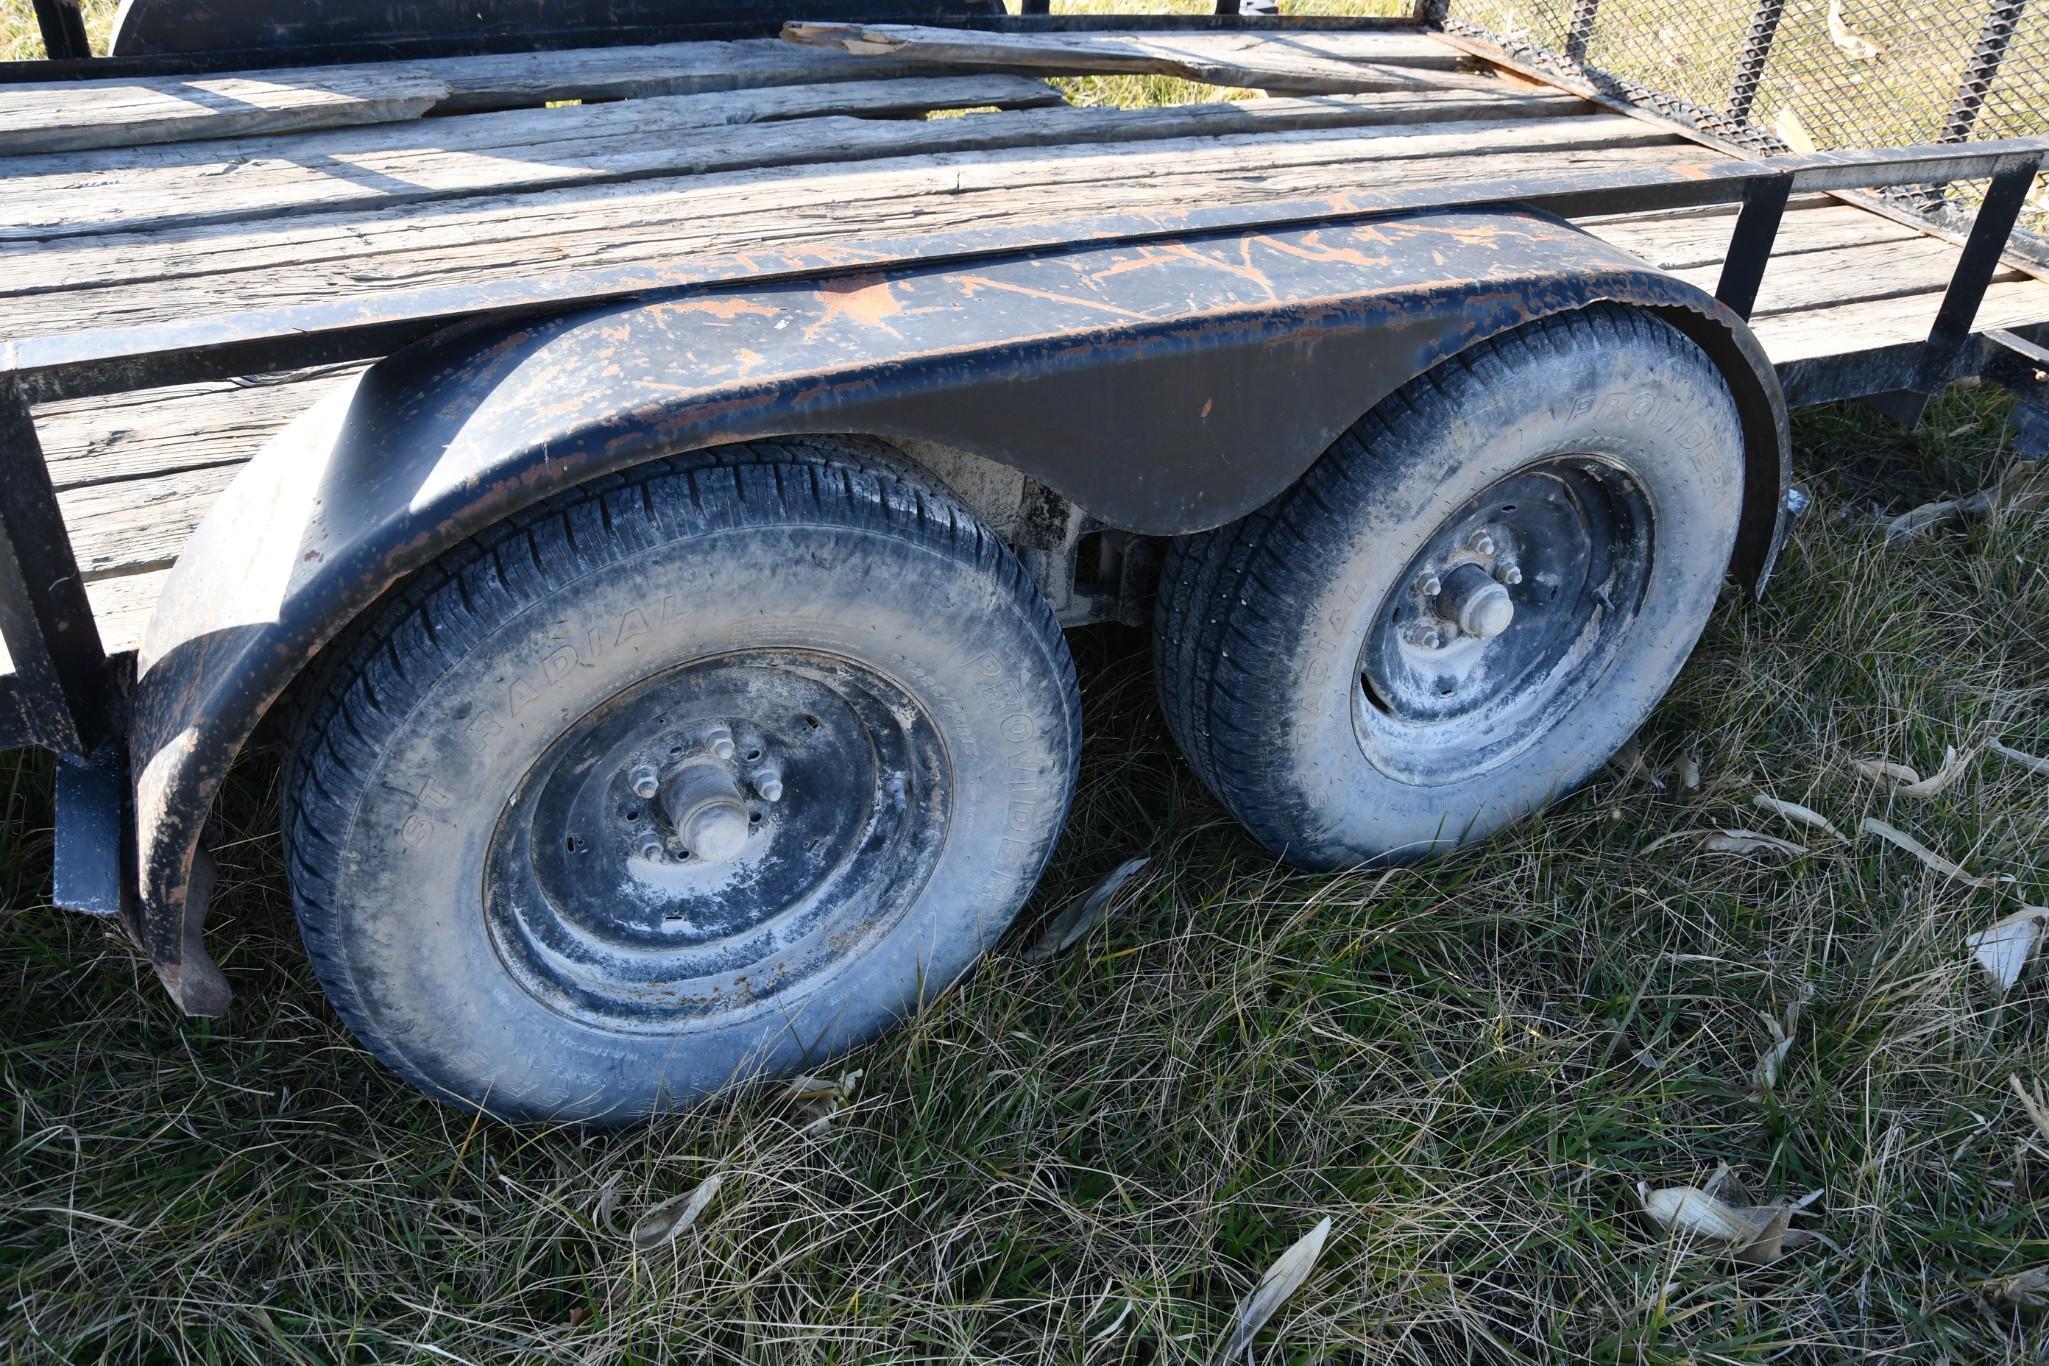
<point>1350,668</point>
<point>702,773</point>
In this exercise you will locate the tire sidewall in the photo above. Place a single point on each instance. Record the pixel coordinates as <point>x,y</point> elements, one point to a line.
<point>1663,415</point>
<point>410,920</point>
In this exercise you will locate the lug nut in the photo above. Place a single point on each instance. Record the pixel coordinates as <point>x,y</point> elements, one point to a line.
<point>1511,576</point>
<point>1482,543</point>
<point>646,782</point>
<point>1429,585</point>
<point>649,846</point>
<point>1429,639</point>
<point>769,786</point>
<point>720,741</point>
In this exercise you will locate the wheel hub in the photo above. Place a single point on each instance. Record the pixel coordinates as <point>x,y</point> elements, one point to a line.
<point>716,836</point>
<point>1508,613</point>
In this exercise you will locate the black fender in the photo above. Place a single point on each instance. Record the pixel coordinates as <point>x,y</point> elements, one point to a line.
<point>1165,387</point>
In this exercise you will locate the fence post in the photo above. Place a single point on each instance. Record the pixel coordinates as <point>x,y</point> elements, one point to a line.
<point>1757,52</point>
<point>1982,70</point>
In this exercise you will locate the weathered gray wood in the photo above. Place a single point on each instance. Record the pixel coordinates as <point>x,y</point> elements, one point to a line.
<point>1868,325</point>
<point>199,182</point>
<point>323,256</point>
<point>84,114</point>
<point>78,115</point>
<point>1297,63</point>
<point>154,432</point>
<point>1866,272</point>
<point>120,608</point>
<point>1685,241</point>
<point>138,524</point>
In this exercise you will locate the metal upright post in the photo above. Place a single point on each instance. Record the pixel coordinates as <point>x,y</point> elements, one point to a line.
<point>1750,244</point>
<point>1580,31</point>
<point>63,697</point>
<point>63,28</point>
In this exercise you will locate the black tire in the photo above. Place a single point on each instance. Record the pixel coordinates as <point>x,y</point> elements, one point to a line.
<point>878,697</point>
<point>1299,654</point>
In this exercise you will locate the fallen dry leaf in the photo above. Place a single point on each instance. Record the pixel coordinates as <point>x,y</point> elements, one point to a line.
<point>1800,815</point>
<point>1848,39</point>
<point>818,1099</point>
<point>1689,773</point>
<point>2026,486</point>
<point>1893,835</point>
<point>1066,928</point>
<point>1782,1044</point>
<point>1281,1280</point>
<point>1886,771</point>
<point>2038,767</point>
<point>1728,842</point>
<point>2004,947</point>
<point>668,1221</point>
<point>1793,132</point>
<point>1756,1234</point>
<point>1953,766</point>
<point>2023,1290</point>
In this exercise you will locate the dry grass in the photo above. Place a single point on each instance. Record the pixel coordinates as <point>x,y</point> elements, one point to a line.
<point>1468,1065</point>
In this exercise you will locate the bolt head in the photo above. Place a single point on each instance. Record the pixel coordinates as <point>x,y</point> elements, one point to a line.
<point>649,846</point>
<point>1430,638</point>
<point>770,787</point>
<point>1429,585</point>
<point>646,782</point>
<point>1511,576</point>
<point>1482,543</point>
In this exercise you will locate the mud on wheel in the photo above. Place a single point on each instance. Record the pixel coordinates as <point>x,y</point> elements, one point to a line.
<point>1468,603</point>
<point>706,773</point>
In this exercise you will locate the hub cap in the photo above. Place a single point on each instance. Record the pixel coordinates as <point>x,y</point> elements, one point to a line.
<point>715,837</point>
<point>1510,613</point>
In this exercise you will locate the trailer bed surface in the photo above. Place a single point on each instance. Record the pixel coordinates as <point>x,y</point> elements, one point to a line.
<point>135,206</point>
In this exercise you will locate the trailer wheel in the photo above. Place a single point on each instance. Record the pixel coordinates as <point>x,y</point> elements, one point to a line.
<point>697,775</point>
<point>1468,603</point>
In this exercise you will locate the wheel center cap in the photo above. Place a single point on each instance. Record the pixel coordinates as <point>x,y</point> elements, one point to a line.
<point>703,804</point>
<point>1480,606</point>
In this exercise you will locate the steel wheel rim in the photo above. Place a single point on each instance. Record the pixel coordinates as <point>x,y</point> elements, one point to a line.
<point>1509,614</point>
<point>647,912</point>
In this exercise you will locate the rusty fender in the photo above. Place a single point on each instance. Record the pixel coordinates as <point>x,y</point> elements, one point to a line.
<point>1165,387</point>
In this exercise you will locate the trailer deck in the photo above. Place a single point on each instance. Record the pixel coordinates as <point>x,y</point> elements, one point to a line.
<point>313,218</point>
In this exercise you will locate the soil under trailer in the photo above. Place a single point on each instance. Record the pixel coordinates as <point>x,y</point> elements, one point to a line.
<point>637,459</point>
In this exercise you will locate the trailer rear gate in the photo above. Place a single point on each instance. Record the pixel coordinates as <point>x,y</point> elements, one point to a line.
<point>138,214</point>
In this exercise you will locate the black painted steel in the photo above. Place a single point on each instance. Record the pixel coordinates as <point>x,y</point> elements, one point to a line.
<point>159,27</point>
<point>604,930</point>
<point>1750,243</point>
<point>62,690</point>
<point>63,29</point>
<point>1994,38</point>
<point>93,859</point>
<point>1569,540</point>
<point>1974,269</point>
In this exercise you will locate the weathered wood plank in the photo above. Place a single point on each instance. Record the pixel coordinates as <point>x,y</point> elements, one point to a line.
<point>84,114</point>
<point>1869,325</point>
<point>153,432</point>
<point>323,256</point>
<point>120,608</point>
<point>642,139</point>
<point>79,115</point>
<point>1684,241</point>
<point>139,524</point>
<point>1865,272</point>
<point>198,182</point>
<point>1297,63</point>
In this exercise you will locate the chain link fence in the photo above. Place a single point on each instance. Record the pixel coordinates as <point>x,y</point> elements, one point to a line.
<point>1805,75</point>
